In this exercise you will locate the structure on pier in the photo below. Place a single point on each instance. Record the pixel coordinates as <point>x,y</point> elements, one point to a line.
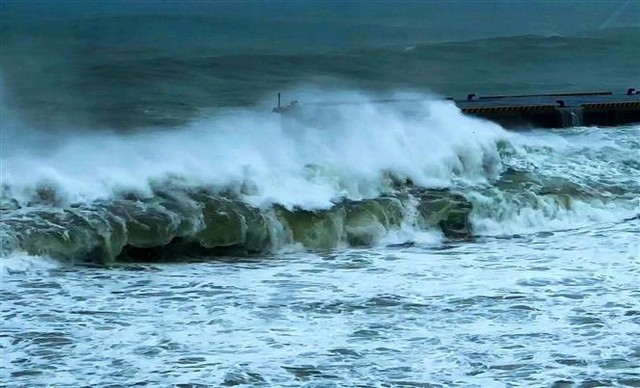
<point>551,110</point>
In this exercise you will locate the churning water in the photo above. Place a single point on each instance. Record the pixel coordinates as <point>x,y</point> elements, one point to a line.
<point>160,226</point>
<point>542,291</point>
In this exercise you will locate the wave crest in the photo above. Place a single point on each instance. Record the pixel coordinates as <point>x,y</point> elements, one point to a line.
<point>197,222</point>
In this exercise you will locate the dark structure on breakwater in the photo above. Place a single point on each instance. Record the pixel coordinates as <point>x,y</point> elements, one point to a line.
<point>556,110</point>
<point>551,110</point>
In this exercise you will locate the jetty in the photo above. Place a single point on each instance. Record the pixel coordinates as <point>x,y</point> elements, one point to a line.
<point>549,110</point>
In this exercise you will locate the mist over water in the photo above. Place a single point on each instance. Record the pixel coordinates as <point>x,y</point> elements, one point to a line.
<point>160,225</point>
<point>347,148</point>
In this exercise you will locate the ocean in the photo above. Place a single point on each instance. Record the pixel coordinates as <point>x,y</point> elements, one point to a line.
<point>161,226</point>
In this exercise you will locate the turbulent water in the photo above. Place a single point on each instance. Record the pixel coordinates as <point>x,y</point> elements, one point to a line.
<point>161,226</point>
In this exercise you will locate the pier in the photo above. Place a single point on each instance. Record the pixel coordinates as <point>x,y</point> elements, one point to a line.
<point>550,110</point>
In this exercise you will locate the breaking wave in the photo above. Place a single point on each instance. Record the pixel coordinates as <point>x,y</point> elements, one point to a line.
<point>250,181</point>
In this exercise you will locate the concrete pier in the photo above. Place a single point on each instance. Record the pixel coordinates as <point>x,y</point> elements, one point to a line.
<point>551,110</point>
<point>556,110</point>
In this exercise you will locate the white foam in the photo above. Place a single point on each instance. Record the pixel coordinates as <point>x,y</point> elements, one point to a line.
<point>295,164</point>
<point>322,156</point>
<point>547,215</point>
<point>594,160</point>
<point>20,263</point>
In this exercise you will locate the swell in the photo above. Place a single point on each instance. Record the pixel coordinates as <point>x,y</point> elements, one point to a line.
<point>329,177</point>
<point>191,222</point>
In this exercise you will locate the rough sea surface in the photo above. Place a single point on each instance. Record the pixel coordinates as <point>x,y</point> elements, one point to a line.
<point>160,226</point>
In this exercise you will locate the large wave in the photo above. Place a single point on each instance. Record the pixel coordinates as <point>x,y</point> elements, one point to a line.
<point>251,181</point>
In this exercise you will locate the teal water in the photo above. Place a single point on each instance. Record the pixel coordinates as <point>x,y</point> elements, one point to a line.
<point>159,226</point>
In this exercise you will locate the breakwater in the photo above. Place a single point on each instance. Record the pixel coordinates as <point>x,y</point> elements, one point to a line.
<point>550,110</point>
